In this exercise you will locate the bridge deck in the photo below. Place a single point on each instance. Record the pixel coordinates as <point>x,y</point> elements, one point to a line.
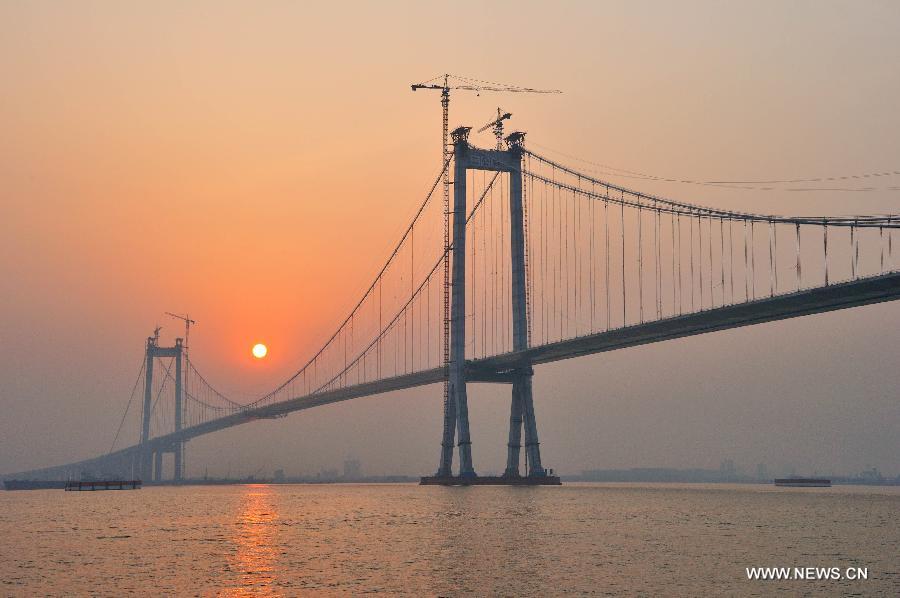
<point>770,309</point>
<point>806,302</point>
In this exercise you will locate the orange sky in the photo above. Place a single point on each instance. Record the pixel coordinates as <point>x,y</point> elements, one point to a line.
<point>253,163</point>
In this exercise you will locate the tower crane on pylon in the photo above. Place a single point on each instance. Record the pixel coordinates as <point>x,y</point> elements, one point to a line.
<point>187,326</point>
<point>467,84</point>
<point>497,126</point>
<point>462,84</point>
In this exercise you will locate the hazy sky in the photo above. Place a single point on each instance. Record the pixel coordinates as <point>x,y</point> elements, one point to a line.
<point>253,163</point>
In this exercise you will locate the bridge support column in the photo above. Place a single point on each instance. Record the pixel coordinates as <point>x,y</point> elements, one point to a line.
<point>522,405</point>
<point>449,435</point>
<point>532,446</point>
<point>179,407</point>
<point>146,461</point>
<point>457,373</point>
<point>157,466</point>
<point>514,446</point>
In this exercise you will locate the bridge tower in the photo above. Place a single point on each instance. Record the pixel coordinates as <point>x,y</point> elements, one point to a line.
<point>522,405</point>
<point>456,413</point>
<point>151,457</point>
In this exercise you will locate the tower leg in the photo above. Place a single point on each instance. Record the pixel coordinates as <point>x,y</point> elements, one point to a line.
<point>446,466</point>
<point>457,373</point>
<point>146,464</point>
<point>179,411</point>
<point>522,409</point>
<point>465,443</point>
<point>532,446</point>
<point>157,466</point>
<point>178,472</point>
<point>146,469</point>
<point>514,446</point>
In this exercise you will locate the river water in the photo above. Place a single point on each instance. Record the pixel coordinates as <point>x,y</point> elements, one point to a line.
<point>606,539</point>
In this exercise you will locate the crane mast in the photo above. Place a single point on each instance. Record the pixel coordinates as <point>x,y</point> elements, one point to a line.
<point>497,126</point>
<point>187,327</point>
<point>445,299</point>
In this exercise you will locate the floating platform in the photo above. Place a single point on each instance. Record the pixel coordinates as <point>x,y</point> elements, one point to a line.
<point>33,485</point>
<point>803,483</point>
<point>491,480</point>
<point>103,485</point>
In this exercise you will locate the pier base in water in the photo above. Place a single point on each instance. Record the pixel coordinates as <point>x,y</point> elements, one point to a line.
<point>545,480</point>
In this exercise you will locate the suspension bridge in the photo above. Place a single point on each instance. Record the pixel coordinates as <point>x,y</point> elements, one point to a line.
<point>533,262</point>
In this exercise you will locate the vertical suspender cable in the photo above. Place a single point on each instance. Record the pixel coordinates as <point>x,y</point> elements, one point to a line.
<point>799,271</point>
<point>722,256</point>
<point>624,315</point>
<point>753,258</point>
<point>559,252</point>
<point>680,275</point>
<point>700,257</point>
<point>731,258</point>
<point>656,235</point>
<point>575,230</point>
<point>606,270</point>
<point>640,266</point>
<point>709,241</point>
<point>505,304</point>
<point>890,246</point>
<point>486,257</point>
<point>746,266</point>
<point>474,274</point>
<point>529,256</point>
<point>693,307</point>
<point>544,314</point>
<point>772,277</point>
<point>672,217</point>
<point>592,277</point>
<point>494,315</point>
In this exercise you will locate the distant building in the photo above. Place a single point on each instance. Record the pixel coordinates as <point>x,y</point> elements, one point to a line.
<point>762,472</point>
<point>352,469</point>
<point>872,475</point>
<point>278,476</point>
<point>327,474</point>
<point>726,468</point>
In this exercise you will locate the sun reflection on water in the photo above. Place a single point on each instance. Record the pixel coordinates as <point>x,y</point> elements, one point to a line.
<point>253,562</point>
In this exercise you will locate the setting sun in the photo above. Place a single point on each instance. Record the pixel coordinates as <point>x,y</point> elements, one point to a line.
<point>259,350</point>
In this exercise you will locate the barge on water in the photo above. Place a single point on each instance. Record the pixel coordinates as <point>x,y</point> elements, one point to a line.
<point>103,485</point>
<point>803,483</point>
<point>33,485</point>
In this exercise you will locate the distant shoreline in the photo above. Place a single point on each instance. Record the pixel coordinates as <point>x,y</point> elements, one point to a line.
<point>836,481</point>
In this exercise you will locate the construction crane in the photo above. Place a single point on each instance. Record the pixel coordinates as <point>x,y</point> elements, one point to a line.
<point>467,84</point>
<point>187,326</point>
<point>497,125</point>
<point>462,84</point>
